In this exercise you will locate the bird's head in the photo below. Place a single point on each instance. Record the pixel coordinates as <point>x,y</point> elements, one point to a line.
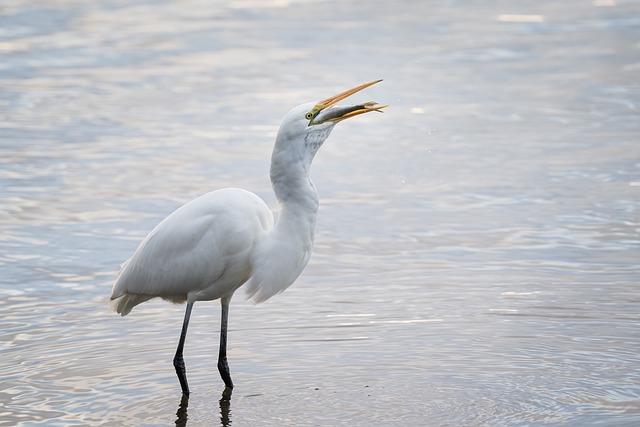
<point>305,128</point>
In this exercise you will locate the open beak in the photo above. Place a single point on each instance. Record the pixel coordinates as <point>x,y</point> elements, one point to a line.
<point>344,113</point>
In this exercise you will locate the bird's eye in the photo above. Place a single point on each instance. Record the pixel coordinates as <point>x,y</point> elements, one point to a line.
<point>309,115</point>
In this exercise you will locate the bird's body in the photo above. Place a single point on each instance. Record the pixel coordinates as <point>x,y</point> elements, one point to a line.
<point>201,252</point>
<point>214,244</point>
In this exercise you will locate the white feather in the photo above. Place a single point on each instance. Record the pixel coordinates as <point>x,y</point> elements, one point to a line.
<point>212,245</point>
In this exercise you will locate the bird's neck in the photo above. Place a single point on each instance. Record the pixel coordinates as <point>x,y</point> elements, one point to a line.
<point>283,252</point>
<point>297,198</point>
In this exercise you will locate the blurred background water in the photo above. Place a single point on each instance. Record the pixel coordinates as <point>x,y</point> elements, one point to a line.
<point>478,246</point>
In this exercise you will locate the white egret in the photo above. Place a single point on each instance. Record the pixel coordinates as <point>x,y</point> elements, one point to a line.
<point>212,245</point>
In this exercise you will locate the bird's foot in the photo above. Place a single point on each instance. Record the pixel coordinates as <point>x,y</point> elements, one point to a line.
<point>226,393</point>
<point>223,368</point>
<point>181,371</point>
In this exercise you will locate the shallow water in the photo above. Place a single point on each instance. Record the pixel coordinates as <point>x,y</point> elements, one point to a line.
<point>478,246</point>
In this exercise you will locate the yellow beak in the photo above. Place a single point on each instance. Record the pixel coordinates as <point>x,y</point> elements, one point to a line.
<point>360,109</point>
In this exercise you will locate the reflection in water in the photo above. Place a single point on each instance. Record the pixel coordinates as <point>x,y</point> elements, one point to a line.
<point>181,414</point>
<point>225,409</point>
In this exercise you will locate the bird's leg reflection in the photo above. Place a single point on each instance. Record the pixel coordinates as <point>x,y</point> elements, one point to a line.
<point>181,414</point>
<point>225,407</point>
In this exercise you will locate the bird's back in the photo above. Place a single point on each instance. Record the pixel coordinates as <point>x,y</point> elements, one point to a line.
<point>200,251</point>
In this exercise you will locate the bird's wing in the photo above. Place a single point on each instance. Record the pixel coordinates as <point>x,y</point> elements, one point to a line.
<point>194,245</point>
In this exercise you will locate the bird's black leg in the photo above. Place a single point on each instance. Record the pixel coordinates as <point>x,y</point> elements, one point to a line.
<point>223,366</point>
<point>178,361</point>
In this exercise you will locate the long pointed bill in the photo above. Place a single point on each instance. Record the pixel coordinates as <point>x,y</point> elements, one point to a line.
<point>347,93</point>
<point>339,97</point>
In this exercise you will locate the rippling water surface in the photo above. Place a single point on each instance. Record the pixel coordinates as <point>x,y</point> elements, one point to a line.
<point>478,247</point>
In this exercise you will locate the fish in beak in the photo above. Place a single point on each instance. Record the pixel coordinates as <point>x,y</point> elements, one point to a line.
<point>321,112</point>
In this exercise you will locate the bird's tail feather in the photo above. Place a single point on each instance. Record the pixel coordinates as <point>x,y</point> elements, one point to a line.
<point>125,303</point>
